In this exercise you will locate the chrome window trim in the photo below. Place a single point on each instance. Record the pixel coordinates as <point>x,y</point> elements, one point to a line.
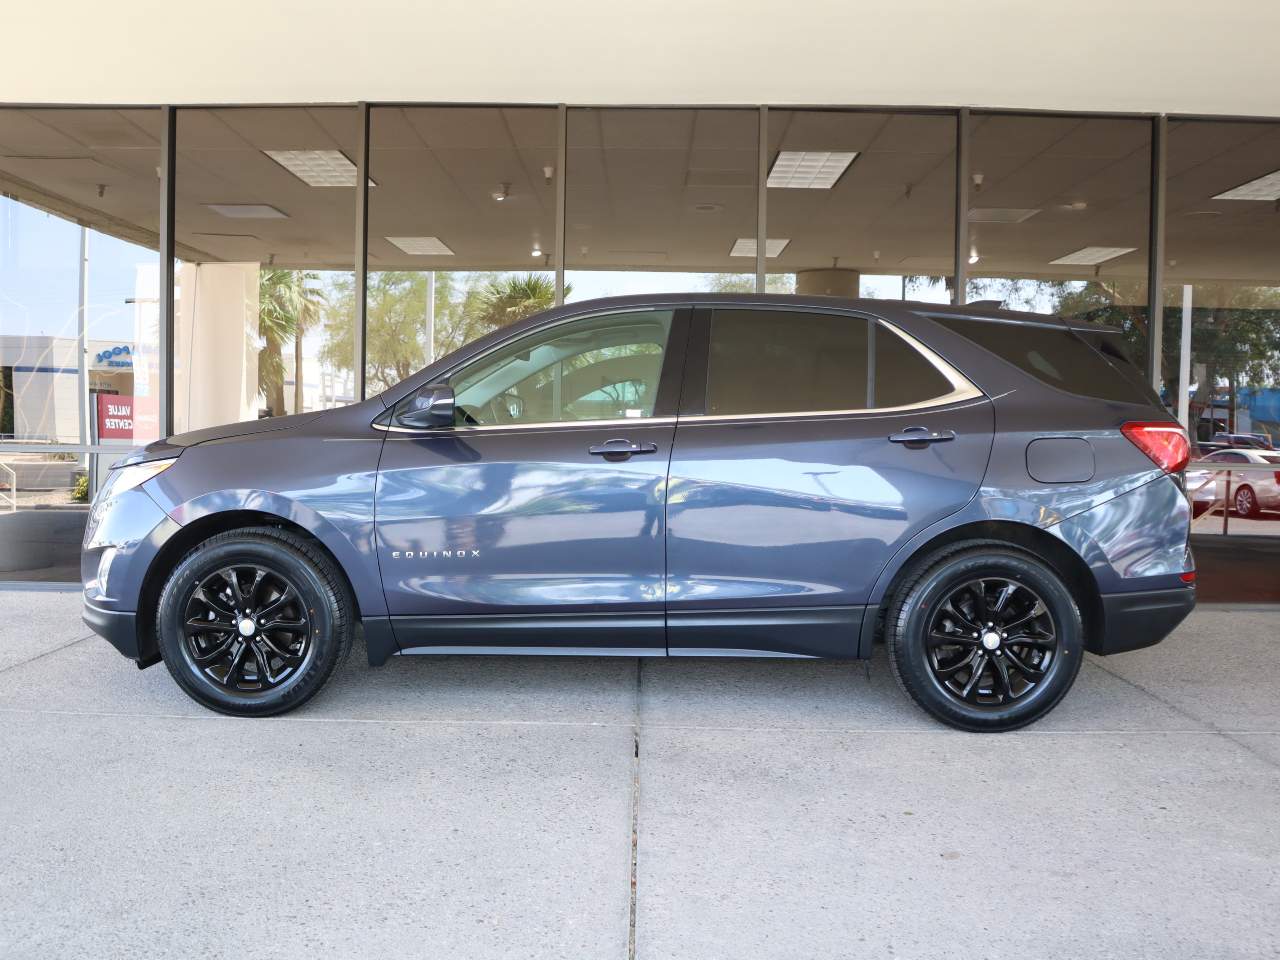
<point>545,425</point>
<point>956,396</point>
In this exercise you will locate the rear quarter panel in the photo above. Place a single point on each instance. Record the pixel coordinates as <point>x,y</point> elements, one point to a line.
<point>1136,544</point>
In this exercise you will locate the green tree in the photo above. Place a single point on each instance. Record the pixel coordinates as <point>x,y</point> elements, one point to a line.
<point>288,303</point>
<point>746,283</point>
<point>511,297</point>
<point>1237,341</point>
<point>467,306</point>
<point>6,401</point>
<point>1120,303</point>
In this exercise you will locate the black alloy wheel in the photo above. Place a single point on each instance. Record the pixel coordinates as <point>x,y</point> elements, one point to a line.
<point>252,622</point>
<point>991,641</point>
<point>247,628</point>
<point>984,635</point>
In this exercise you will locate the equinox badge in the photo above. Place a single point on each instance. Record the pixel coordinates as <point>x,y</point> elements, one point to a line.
<point>442,554</point>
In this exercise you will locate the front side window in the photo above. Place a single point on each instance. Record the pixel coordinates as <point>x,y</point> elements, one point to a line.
<point>788,361</point>
<point>598,368</point>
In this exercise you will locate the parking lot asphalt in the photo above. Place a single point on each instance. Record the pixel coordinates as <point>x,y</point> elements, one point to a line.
<point>606,808</point>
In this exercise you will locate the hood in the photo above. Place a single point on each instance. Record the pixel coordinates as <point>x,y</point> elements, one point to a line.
<point>172,446</point>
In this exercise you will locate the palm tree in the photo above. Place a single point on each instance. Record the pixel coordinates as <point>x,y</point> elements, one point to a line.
<point>512,297</point>
<point>288,304</point>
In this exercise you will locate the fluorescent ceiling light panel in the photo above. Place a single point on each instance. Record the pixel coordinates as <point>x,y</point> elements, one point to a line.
<point>1264,188</point>
<point>746,247</point>
<point>809,169</point>
<point>318,168</point>
<point>422,246</point>
<point>248,211</point>
<point>1089,256</point>
<point>1002,214</point>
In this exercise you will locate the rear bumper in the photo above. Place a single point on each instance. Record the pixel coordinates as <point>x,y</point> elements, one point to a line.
<point>120,628</point>
<point>1135,620</point>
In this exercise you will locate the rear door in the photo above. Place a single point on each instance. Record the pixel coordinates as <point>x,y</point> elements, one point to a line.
<point>810,446</point>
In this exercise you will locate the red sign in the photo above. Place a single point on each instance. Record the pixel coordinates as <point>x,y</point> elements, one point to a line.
<point>115,417</point>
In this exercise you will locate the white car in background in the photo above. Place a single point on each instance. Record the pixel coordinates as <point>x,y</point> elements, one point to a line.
<point>1252,491</point>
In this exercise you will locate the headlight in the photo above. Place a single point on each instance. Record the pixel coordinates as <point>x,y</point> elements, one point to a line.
<point>126,478</point>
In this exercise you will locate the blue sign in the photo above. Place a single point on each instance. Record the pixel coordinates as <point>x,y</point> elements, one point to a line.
<point>121,356</point>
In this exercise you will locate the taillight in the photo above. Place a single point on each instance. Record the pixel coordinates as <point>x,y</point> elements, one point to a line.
<point>1165,443</point>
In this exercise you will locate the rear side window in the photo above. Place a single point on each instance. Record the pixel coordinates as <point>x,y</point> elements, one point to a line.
<point>902,375</point>
<point>788,361</point>
<point>1058,357</point>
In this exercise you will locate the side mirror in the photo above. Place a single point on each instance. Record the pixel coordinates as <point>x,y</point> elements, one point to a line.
<point>431,406</point>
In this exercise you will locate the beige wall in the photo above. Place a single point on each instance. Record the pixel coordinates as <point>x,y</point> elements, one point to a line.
<point>1142,55</point>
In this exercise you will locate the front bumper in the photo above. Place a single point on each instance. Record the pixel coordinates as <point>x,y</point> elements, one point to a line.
<point>1135,620</point>
<point>120,628</point>
<point>121,542</point>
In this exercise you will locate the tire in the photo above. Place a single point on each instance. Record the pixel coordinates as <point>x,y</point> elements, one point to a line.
<point>283,661</point>
<point>930,625</point>
<point>1246,502</point>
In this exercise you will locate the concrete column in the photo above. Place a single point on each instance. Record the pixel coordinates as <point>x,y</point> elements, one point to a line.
<point>216,345</point>
<point>834,282</point>
<point>1184,363</point>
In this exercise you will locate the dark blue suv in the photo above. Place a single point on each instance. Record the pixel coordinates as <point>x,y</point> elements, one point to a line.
<point>990,493</point>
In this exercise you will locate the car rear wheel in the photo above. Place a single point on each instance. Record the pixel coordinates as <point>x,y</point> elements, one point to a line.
<point>985,637</point>
<point>252,622</point>
<point>1246,502</point>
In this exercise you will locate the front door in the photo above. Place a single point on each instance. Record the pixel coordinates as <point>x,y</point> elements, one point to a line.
<point>538,519</point>
<point>816,446</point>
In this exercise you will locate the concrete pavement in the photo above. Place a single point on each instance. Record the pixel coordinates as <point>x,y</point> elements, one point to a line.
<point>493,807</point>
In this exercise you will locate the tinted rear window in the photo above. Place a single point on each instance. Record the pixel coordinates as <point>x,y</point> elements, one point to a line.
<point>902,375</point>
<point>791,361</point>
<point>1060,358</point>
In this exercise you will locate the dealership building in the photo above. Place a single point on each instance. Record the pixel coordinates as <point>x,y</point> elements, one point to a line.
<point>289,210</point>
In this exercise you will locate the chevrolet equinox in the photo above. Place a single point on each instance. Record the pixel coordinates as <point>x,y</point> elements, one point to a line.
<point>990,493</point>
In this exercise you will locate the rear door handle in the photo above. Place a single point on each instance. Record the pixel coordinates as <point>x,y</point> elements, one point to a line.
<point>917,438</point>
<point>620,449</point>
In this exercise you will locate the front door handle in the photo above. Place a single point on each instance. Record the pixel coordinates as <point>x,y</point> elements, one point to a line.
<point>917,438</point>
<point>620,449</point>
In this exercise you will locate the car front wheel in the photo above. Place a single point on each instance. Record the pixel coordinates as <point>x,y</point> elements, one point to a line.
<point>985,637</point>
<point>252,622</point>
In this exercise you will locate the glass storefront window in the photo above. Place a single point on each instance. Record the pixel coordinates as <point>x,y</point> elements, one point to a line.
<point>264,218</point>
<point>1223,276</point>
<point>1059,217</point>
<point>462,240</point>
<point>78,218</point>
<point>461,229</point>
<point>861,204</point>
<point>660,201</point>
<point>79,283</point>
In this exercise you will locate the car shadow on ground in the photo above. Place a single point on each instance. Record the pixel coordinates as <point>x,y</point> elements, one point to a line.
<point>731,693</point>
